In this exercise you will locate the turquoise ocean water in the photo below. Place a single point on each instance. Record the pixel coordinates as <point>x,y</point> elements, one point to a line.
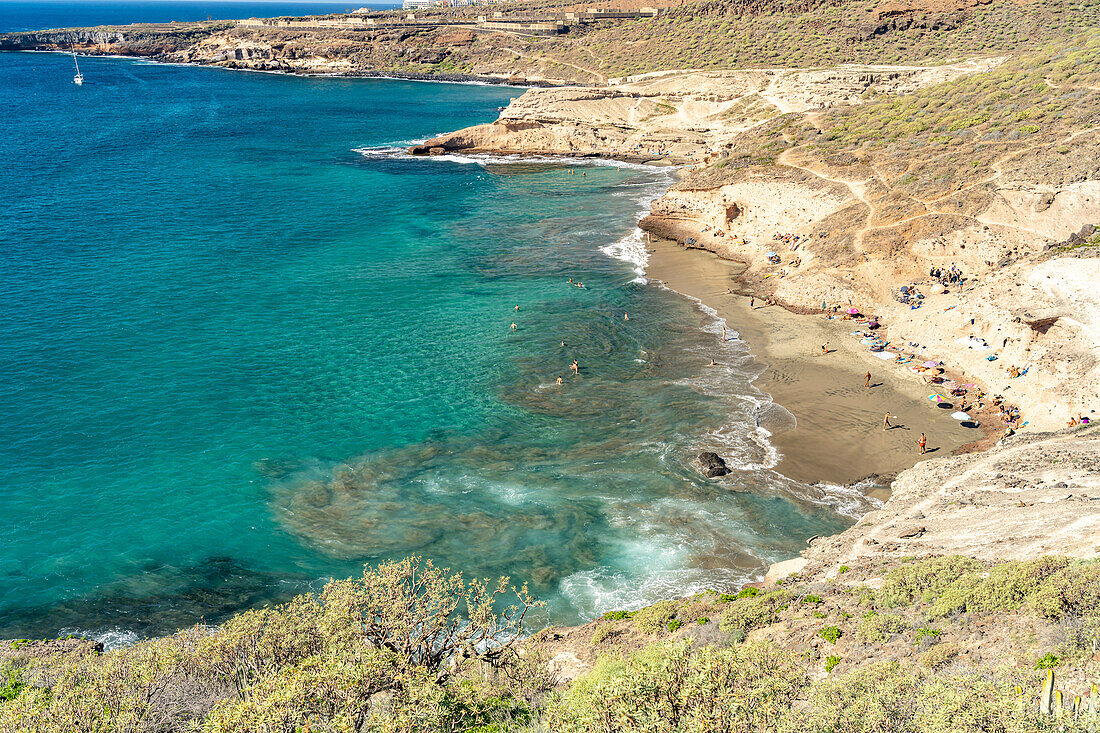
<point>246,347</point>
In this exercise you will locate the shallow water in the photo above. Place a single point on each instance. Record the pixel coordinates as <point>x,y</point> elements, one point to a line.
<point>246,349</point>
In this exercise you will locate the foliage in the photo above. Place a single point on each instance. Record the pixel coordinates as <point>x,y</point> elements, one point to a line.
<point>675,687</point>
<point>1051,587</point>
<point>924,580</point>
<point>753,611</point>
<point>829,633</point>
<point>938,656</point>
<point>653,619</point>
<point>12,686</point>
<point>406,644</point>
<point>831,662</point>
<point>602,632</point>
<point>926,632</point>
<point>877,627</point>
<point>1047,661</point>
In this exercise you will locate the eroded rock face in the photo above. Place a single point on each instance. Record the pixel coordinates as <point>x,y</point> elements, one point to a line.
<point>713,464</point>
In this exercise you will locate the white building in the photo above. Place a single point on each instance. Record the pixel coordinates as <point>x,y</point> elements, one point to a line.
<point>415,4</point>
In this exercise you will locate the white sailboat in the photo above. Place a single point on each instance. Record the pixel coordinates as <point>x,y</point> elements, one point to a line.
<point>79,78</point>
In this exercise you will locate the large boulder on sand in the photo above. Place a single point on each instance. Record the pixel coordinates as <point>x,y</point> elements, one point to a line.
<point>713,465</point>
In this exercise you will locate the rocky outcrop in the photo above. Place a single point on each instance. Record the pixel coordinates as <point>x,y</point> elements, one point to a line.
<point>1028,496</point>
<point>679,117</point>
<point>713,464</point>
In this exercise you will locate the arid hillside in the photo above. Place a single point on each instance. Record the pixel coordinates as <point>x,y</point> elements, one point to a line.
<point>687,35</point>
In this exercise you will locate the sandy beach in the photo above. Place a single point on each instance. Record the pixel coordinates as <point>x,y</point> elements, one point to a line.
<point>838,435</point>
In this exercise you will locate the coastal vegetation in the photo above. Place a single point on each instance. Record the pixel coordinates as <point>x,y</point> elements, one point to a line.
<point>411,647</point>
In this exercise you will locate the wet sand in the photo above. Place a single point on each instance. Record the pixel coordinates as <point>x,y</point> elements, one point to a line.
<point>838,437</point>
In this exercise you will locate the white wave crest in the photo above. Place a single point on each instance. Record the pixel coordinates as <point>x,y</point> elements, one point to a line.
<point>110,638</point>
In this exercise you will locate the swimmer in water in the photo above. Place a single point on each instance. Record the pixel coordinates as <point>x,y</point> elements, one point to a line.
<point>513,325</point>
<point>516,308</point>
<point>559,380</point>
<point>713,363</point>
<point>626,316</point>
<point>563,344</point>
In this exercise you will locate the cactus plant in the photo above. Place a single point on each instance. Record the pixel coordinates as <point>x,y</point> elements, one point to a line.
<point>1045,702</point>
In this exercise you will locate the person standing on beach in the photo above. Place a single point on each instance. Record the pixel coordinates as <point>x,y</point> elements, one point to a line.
<point>752,303</point>
<point>825,348</point>
<point>723,333</point>
<point>867,381</point>
<point>886,422</point>
<point>923,442</point>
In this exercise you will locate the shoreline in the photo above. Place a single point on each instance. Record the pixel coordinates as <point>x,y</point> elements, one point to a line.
<point>465,79</point>
<point>838,436</point>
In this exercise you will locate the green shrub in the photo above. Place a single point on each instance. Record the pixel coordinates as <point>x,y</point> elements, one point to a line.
<point>678,687</point>
<point>12,686</point>
<point>877,627</point>
<point>926,632</point>
<point>753,611</point>
<point>674,624</point>
<point>813,599</point>
<point>748,592</point>
<point>702,620</point>
<point>820,614</point>
<point>652,619</point>
<point>879,697</point>
<point>1074,591</point>
<point>1047,661</point>
<point>829,633</point>
<point>843,569</point>
<point>602,632</point>
<point>956,597</point>
<point>924,580</point>
<point>831,662</point>
<point>938,655</point>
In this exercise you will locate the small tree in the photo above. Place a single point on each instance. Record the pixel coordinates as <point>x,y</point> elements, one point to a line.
<point>415,610</point>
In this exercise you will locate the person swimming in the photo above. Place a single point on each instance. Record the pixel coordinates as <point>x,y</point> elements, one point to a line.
<point>559,380</point>
<point>713,363</point>
<point>514,325</point>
